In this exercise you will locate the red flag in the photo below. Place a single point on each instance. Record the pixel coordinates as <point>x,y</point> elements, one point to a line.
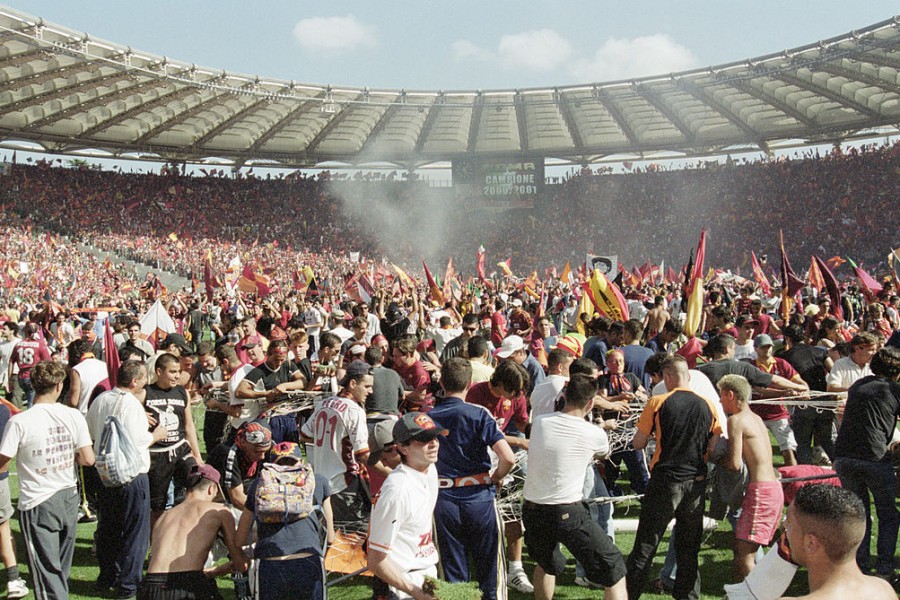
<point>110,355</point>
<point>697,272</point>
<point>759,275</point>
<point>790,283</point>
<point>832,287</point>
<point>436,293</point>
<point>208,276</point>
<point>869,285</point>
<point>448,278</point>
<point>479,263</point>
<point>815,275</point>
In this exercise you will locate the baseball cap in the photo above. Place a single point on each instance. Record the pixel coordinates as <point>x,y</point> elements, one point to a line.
<point>416,426</point>
<point>255,433</point>
<point>355,369</point>
<point>337,313</point>
<point>510,344</point>
<point>277,333</point>
<point>286,453</point>
<point>745,320</point>
<point>516,302</point>
<point>763,339</point>
<point>179,341</point>
<point>251,342</point>
<point>382,437</point>
<point>208,472</point>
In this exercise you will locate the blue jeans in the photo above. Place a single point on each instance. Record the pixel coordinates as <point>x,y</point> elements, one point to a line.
<point>27,392</point>
<point>862,477</point>
<point>299,578</point>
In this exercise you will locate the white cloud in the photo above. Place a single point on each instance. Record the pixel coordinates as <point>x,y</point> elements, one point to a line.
<point>464,49</point>
<point>626,58</point>
<point>539,50</point>
<point>545,50</point>
<point>333,34</point>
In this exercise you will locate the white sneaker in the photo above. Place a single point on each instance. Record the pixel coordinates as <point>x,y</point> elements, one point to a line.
<point>585,583</point>
<point>518,581</point>
<point>16,588</point>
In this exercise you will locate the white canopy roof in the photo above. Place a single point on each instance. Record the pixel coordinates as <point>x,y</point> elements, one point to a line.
<point>73,94</point>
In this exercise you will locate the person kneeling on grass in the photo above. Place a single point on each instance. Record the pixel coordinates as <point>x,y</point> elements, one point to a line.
<point>182,539</point>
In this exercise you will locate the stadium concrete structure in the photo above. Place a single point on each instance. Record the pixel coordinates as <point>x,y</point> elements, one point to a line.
<point>73,94</point>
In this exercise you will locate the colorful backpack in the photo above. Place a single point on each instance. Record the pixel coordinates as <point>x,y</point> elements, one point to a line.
<point>284,493</point>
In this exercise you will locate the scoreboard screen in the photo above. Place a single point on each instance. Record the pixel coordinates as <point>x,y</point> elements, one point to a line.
<point>500,179</point>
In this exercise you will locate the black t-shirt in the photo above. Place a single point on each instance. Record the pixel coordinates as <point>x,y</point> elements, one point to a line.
<point>387,391</point>
<point>305,368</point>
<point>685,420</point>
<point>873,405</point>
<point>269,378</point>
<point>717,369</point>
<point>168,408</point>
<point>809,362</point>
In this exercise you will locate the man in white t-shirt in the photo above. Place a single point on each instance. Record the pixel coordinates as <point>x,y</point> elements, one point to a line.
<point>543,398</point>
<point>123,527</point>
<point>401,544</point>
<point>847,370</point>
<point>47,441</point>
<point>561,447</point>
<point>338,443</point>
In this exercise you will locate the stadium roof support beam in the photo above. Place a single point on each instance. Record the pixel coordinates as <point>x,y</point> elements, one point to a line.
<point>430,118</point>
<point>747,87</point>
<point>519,107</point>
<point>380,125</point>
<point>51,95</point>
<point>611,107</point>
<point>849,75</point>
<point>173,94</point>
<point>701,95</point>
<point>656,102</point>
<point>180,117</point>
<point>873,58</point>
<point>90,104</point>
<point>237,116</point>
<point>569,120</point>
<point>833,96</point>
<point>281,124</point>
<point>334,122</point>
<point>477,108</point>
<point>45,75</point>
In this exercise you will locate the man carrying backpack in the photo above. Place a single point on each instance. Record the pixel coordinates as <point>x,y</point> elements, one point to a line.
<point>123,526</point>
<point>286,502</point>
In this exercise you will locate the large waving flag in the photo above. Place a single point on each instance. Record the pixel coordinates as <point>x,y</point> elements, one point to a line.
<point>479,263</point>
<point>404,278</point>
<point>449,274</point>
<point>208,275</point>
<point>607,298</point>
<point>760,275</point>
<point>110,354</point>
<point>693,289</point>
<point>254,281</point>
<point>869,285</point>
<point>831,287</point>
<point>436,292</point>
<point>505,266</point>
<point>156,321</point>
<point>567,276</point>
<point>815,275</point>
<point>790,283</point>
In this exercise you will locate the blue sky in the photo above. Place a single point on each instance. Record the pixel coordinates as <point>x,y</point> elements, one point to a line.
<point>460,44</point>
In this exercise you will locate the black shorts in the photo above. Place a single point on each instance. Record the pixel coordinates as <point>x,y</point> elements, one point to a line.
<point>183,585</point>
<point>549,525</point>
<point>166,467</point>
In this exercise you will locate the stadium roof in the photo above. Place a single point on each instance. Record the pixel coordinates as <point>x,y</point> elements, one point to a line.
<point>74,94</point>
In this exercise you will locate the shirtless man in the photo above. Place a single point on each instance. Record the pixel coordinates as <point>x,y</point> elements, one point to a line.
<point>748,442</point>
<point>182,539</point>
<point>824,526</point>
<point>657,316</point>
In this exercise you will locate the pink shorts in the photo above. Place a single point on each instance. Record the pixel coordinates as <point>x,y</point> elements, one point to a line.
<point>760,512</point>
